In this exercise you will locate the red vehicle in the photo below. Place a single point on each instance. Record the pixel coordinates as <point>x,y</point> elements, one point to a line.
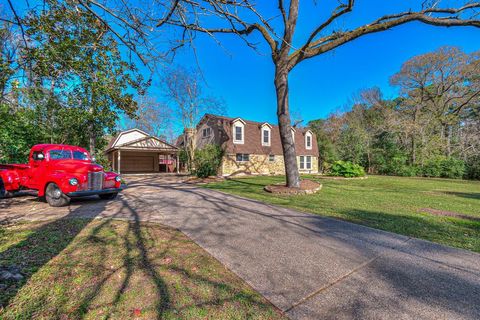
<point>59,172</point>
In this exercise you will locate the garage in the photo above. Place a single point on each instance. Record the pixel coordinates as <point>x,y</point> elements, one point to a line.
<point>137,163</point>
<point>135,151</point>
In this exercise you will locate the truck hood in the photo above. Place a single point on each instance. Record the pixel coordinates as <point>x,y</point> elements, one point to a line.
<point>75,166</point>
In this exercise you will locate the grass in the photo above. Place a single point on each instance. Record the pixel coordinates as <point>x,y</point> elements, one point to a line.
<point>388,203</point>
<point>109,269</point>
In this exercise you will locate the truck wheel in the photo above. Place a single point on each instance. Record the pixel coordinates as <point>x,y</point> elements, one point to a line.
<point>108,196</point>
<point>55,197</point>
<point>3,191</point>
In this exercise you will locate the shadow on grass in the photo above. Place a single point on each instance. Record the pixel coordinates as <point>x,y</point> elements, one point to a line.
<point>405,273</point>
<point>96,272</point>
<point>32,253</point>
<point>468,195</point>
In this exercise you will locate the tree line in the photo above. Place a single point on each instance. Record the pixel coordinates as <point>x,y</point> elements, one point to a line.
<point>63,79</point>
<point>432,128</point>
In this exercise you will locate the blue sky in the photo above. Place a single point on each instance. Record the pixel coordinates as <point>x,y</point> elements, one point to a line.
<point>319,86</point>
<point>324,84</point>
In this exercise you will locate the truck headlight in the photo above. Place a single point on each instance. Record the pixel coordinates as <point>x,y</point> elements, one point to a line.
<point>73,182</point>
<point>118,178</point>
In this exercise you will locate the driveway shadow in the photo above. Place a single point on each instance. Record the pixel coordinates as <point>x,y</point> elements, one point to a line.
<point>395,275</point>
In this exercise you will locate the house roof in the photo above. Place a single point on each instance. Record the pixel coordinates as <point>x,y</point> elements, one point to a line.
<point>144,142</point>
<point>253,137</point>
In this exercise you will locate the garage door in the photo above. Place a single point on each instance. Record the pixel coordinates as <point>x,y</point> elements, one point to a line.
<point>137,163</point>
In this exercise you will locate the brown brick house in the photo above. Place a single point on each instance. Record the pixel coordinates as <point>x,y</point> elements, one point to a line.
<point>254,147</point>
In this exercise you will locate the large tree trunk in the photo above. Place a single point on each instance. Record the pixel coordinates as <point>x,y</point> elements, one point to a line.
<point>284,124</point>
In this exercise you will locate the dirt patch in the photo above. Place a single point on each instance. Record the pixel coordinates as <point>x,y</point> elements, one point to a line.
<point>306,187</point>
<point>449,214</point>
<point>196,180</point>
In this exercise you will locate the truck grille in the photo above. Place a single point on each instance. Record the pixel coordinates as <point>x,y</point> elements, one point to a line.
<point>95,181</point>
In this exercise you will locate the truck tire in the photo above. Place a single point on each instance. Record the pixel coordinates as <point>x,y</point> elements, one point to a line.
<point>3,191</point>
<point>108,196</point>
<point>55,197</point>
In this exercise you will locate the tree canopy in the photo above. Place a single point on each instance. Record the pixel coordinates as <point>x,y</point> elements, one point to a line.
<point>432,128</point>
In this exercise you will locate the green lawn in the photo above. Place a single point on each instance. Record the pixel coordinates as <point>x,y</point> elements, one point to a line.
<point>106,269</point>
<point>389,203</point>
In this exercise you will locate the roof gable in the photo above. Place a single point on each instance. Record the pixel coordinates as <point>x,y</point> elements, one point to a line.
<point>149,142</point>
<point>128,136</point>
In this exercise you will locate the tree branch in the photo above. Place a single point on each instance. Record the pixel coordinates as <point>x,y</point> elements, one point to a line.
<point>19,23</point>
<point>282,11</point>
<point>338,12</point>
<point>335,40</point>
<point>128,44</point>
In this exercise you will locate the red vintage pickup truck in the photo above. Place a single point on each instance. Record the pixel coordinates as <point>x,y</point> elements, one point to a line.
<point>59,172</point>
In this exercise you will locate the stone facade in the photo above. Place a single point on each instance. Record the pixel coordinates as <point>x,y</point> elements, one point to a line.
<point>259,164</point>
<point>258,141</point>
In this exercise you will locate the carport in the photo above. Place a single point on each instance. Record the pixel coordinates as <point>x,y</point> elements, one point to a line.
<point>135,151</point>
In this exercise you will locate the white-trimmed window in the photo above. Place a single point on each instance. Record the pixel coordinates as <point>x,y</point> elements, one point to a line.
<point>238,132</point>
<point>206,132</point>
<point>293,134</point>
<point>271,158</point>
<point>305,162</point>
<point>242,157</point>
<point>308,140</point>
<point>266,136</point>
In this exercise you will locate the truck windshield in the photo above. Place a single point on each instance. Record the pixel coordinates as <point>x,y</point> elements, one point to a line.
<point>60,154</point>
<point>79,155</point>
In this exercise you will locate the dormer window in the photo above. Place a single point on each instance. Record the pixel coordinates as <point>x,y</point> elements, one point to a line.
<point>266,135</point>
<point>238,127</point>
<point>308,140</point>
<point>293,134</point>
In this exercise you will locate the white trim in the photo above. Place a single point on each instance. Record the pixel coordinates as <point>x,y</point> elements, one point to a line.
<point>238,119</point>
<point>238,124</point>
<point>127,131</point>
<point>262,129</point>
<point>309,134</point>
<point>304,162</point>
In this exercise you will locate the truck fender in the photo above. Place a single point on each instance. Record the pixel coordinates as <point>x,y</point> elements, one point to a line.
<point>54,178</point>
<point>9,182</point>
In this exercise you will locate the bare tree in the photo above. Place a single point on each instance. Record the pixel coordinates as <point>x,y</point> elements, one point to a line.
<point>243,17</point>
<point>436,88</point>
<point>153,117</point>
<point>184,89</point>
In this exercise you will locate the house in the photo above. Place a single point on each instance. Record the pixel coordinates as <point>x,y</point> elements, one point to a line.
<point>135,151</point>
<point>253,147</point>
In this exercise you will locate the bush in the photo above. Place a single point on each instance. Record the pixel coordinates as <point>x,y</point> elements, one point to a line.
<point>473,168</point>
<point>444,167</point>
<point>346,169</point>
<point>397,166</point>
<point>208,160</point>
<point>453,168</point>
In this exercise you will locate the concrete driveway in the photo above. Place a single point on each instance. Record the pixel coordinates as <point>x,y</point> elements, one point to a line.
<point>308,266</point>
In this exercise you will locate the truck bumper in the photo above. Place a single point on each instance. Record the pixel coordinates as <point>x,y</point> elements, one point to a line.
<point>93,192</point>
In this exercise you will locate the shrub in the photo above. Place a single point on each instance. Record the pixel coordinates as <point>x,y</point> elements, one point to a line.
<point>473,168</point>
<point>346,169</point>
<point>444,167</point>
<point>453,168</point>
<point>397,166</point>
<point>208,160</point>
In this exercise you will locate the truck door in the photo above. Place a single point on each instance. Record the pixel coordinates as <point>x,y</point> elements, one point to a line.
<point>36,171</point>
